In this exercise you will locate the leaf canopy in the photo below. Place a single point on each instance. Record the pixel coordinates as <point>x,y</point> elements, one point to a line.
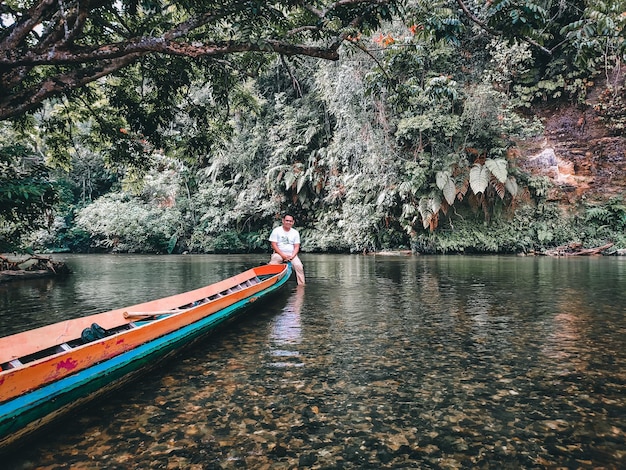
<point>50,49</point>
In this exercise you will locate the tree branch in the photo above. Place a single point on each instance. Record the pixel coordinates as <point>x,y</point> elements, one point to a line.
<point>60,45</point>
<point>115,57</point>
<point>27,100</point>
<point>493,32</point>
<point>164,46</point>
<point>23,28</point>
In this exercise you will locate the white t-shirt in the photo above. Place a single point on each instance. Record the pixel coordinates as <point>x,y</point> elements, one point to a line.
<point>285,239</point>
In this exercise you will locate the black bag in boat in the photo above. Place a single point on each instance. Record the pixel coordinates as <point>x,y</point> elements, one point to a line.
<point>93,333</point>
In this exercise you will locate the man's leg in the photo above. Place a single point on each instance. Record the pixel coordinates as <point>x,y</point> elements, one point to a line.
<point>276,259</point>
<point>299,269</point>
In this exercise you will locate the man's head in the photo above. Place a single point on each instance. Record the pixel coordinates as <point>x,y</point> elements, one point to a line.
<point>288,221</point>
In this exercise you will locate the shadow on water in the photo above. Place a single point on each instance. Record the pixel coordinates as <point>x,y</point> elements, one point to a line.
<point>418,362</point>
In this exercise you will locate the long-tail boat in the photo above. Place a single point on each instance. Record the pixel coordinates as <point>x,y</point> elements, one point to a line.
<point>48,371</point>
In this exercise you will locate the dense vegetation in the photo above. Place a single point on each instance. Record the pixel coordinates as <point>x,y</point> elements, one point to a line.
<point>407,141</point>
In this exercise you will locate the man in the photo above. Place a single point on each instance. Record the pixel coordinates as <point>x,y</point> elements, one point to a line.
<point>285,242</point>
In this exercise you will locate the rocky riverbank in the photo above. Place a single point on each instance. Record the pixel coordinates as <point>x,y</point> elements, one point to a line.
<point>30,267</point>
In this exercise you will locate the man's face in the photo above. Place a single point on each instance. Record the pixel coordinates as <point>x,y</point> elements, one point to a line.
<point>287,222</point>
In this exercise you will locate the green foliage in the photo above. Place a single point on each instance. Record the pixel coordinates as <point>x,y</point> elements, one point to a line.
<point>27,195</point>
<point>59,237</point>
<point>294,137</point>
<point>539,186</point>
<point>606,221</point>
<point>435,20</point>
<point>489,115</point>
<point>325,233</point>
<point>544,90</point>
<point>596,38</point>
<point>611,107</point>
<point>80,43</point>
<point>119,223</point>
<point>570,43</point>
<point>530,229</point>
<point>228,242</point>
<point>518,17</point>
<point>406,140</point>
<point>510,62</point>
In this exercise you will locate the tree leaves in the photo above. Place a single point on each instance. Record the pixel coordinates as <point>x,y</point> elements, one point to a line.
<point>479,178</point>
<point>445,182</point>
<point>26,194</point>
<point>498,168</point>
<point>428,208</point>
<point>81,42</point>
<point>511,186</point>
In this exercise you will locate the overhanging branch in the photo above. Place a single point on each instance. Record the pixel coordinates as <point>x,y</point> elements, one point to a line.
<point>493,32</point>
<point>113,59</point>
<point>55,46</point>
<point>163,46</point>
<point>27,100</point>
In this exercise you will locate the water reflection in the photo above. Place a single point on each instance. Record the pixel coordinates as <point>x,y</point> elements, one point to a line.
<point>286,333</point>
<point>421,362</point>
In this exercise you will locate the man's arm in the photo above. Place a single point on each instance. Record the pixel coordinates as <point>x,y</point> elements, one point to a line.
<point>296,249</point>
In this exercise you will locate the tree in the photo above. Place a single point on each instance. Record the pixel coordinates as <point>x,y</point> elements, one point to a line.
<point>570,41</point>
<point>54,48</point>
<point>27,195</point>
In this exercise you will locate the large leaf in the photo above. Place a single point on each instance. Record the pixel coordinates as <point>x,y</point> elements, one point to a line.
<point>425,211</point>
<point>449,191</point>
<point>511,186</point>
<point>428,208</point>
<point>498,168</point>
<point>479,178</point>
<point>290,179</point>
<point>381,198</point>
<point>435,203</point>
<point>300,184</point>
<point>447,185</point>
<point>442,178</point>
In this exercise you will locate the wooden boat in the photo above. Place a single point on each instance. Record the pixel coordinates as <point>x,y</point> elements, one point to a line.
<point>51,370</point>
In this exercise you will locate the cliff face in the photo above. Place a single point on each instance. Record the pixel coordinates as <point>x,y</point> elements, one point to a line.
<point>583,157</point>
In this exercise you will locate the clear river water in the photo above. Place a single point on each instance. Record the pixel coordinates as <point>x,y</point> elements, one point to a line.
<point>379,362</point>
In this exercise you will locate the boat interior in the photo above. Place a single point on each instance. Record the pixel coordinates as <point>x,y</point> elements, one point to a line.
<point>134,320</point>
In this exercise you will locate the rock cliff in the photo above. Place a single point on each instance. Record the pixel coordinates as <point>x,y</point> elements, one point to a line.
<point>583,156</point>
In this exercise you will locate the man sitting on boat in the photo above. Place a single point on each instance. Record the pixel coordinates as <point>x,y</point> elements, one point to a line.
<point>285,242</point>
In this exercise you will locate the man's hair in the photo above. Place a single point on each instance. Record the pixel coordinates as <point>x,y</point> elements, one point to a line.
<point>288,214</point>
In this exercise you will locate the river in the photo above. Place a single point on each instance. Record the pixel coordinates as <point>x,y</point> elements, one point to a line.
<point>430,362</point>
